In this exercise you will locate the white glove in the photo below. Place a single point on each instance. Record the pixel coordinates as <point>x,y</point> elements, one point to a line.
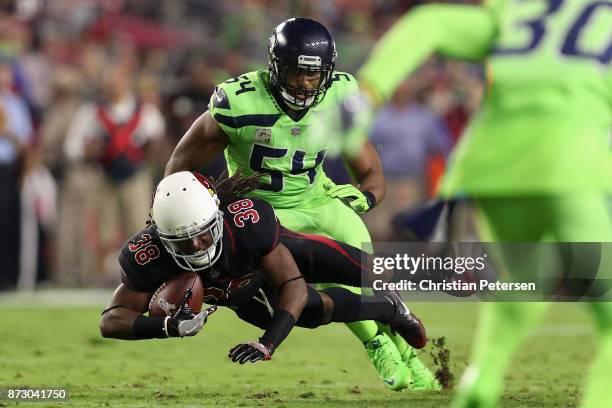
<point>193,326</point>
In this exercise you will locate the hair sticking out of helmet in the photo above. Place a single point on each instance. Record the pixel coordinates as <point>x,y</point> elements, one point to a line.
<point>301,60</point>
<point>230,189</point>
<point>186,212</point>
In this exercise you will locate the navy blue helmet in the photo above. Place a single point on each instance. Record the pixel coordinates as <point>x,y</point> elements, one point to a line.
<point>301,46</point>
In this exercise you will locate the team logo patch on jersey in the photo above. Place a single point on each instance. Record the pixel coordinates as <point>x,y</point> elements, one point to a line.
<point>263,135</point>
<point>295,131</point>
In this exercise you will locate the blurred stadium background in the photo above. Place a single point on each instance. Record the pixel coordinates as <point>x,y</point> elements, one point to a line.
<point>62,218</point>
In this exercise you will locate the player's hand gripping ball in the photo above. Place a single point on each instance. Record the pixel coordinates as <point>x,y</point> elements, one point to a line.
<point>168,298</point>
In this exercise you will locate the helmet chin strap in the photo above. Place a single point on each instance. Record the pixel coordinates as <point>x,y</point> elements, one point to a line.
<point>292,101</point>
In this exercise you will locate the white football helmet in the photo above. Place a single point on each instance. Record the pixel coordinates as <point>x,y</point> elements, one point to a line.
<point>189,223</point>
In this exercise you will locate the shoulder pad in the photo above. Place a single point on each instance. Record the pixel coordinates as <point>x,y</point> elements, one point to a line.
<point>255,223</point>
<point>342,84</point>
<point>227,90</point>
<point>219,99</point>
<point>144,261</point>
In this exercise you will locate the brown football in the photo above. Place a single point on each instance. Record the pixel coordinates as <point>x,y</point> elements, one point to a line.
<point>168,297</point>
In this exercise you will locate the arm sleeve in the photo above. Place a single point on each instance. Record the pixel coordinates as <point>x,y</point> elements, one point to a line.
<point>456,31</point>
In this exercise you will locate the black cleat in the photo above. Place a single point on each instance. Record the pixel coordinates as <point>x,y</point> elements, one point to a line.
<point>405,323</point>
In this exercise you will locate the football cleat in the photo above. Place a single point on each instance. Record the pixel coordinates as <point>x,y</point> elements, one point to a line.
<point>405,323</point>
<point>422,378</point>
<point>388,362</point>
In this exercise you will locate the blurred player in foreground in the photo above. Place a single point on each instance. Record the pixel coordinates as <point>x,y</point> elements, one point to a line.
<point>266,121</point>
<point>247,262</point>
<point>536,158</point>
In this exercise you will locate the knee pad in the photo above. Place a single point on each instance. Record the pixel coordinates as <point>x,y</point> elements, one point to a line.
<point>313,314</point>
<point>346,304</point>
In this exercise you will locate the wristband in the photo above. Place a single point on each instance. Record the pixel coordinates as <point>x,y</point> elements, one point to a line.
<point>279,329</point>
<point>165,328</point>
<point>145,327</point>
<point>370,198</point>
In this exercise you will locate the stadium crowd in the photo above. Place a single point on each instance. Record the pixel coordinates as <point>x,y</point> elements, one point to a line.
<point>75,74</point>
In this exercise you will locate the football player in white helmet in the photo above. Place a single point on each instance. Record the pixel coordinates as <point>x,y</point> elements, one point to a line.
<point>189,223</point>
<point>246,260</point>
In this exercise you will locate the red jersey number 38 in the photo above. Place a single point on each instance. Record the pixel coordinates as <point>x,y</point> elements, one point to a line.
<point>243,210</point>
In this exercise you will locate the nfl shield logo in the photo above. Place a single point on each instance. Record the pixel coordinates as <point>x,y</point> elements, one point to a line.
<point>295,131</point>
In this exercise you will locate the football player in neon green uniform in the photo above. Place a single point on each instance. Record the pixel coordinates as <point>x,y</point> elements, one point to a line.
<point>264,122</point>
<point>536,158</point>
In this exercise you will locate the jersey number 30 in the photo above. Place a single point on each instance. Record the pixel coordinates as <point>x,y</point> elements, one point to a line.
<point>570,46</point>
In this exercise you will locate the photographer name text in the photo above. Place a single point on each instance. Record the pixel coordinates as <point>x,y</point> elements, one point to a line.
<point>430,286</point>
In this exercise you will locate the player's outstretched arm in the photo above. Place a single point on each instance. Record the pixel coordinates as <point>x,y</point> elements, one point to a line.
<point>202,143</point>
<point>123,319</point>
<point>456,31</point>
<point>283,274</point>
<point>124,308</point>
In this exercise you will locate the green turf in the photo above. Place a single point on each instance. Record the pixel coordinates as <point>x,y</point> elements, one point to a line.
<point>61,347</point>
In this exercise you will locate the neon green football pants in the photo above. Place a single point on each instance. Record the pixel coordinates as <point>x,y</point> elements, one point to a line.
<point>503,326</point>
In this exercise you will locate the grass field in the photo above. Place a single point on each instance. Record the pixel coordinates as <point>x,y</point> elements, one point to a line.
<point>60,346</point>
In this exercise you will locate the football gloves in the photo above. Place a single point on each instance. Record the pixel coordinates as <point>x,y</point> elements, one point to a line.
<point>350,195</point>
<point>189,323</point>
<point>193,326</point>
<point>251,351</point>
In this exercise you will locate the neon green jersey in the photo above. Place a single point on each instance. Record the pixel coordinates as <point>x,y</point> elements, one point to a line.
<point>545,120</point>
<point>264,139</point>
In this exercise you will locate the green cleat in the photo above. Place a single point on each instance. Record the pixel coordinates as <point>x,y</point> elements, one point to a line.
<point>388,362</point>
<point>422,377</point>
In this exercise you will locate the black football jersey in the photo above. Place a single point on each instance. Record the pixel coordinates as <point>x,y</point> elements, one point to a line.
<point>250,231</point>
